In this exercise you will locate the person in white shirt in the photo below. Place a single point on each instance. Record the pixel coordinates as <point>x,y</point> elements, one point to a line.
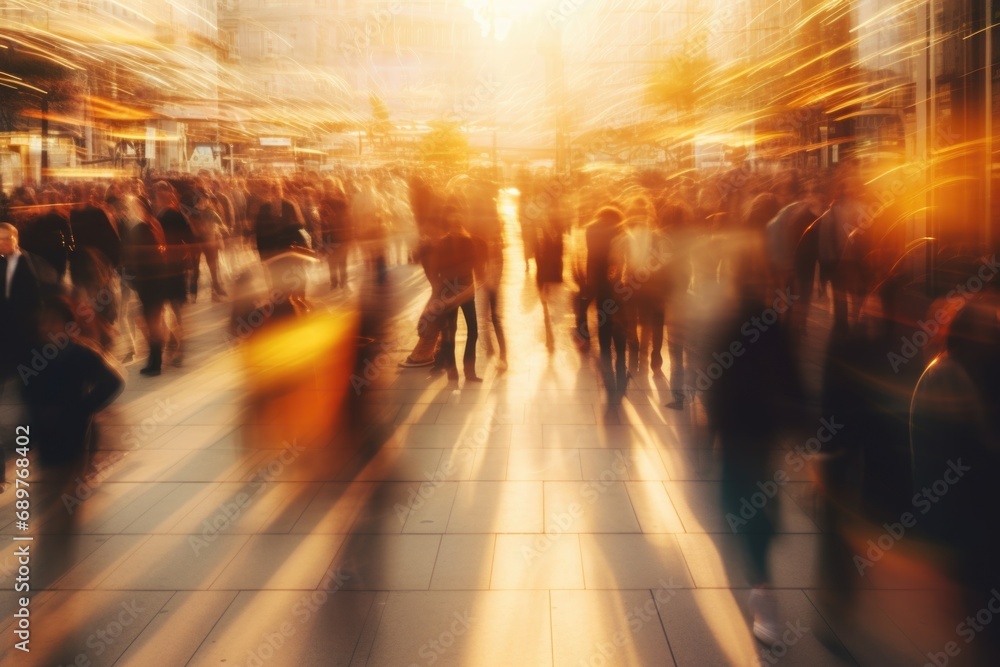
<point>19,305</point>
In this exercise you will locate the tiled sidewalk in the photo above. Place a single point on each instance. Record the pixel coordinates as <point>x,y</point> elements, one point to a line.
<point>509,523</point>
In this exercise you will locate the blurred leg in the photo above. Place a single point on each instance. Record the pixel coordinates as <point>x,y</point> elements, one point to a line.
<point>446,355</point>
<point>655,320</point>
<point>211,251</point>
<point>493,299</point>
<point>472,325</point>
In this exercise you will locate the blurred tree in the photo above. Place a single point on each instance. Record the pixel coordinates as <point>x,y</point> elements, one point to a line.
<point>681,84</point>
<point>445,145</point>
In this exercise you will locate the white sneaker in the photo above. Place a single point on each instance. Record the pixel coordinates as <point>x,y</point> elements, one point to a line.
<point>765,616</point>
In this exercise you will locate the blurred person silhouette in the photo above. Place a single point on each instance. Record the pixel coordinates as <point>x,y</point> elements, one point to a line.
<point>371,220</point>
<point>590,201</point>
<point>97,288</point>
<point>784,232</point>
<point>550,230</point>
<point>487,229</point>
<point>307,199</point>
<point>748,407</point>
<point>180,241</point>
<point>61,401</point>
<point>20,299</point>
<point>526,214</point>
<point>92,227</point>
<point>762,210</point>
<point>336,231</point>
<point>49,236</point>
<point>133,195</point>
<point>432,228</point>
<point>674,221</point>
<point>455,266</point>
<point>955,436</point>
<point>605,265</point>
<point>848,463</point>
<point>835,227</point>
<point>402,225</point>
<point>709,222</point>
<point>148,275</point>
<point>642,292</point>
<point>280,229</point>
<point>209,231</point>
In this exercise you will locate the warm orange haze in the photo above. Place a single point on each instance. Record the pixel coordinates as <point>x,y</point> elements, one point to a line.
<point>499,332</point>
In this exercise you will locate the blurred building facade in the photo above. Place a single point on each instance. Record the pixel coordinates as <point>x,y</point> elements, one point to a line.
<point>342,59</point>
<point>137,83</point>
<point>803,83</point>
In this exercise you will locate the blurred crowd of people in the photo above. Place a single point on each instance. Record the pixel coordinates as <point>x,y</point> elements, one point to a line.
<point>94,269</point>
<point>723,269</point>
<point>900,433</point>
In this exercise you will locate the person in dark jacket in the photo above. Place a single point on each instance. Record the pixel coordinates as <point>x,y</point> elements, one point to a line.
<point>49,237</point>
<point>954,431</point>
<point>146,267</point>
<point>336,231</point>
<point>92,228</point>
<point>605,266</point>
<point>62,398</point>
<point>455,266</point>
<point>20,298</point>
<point>280,228</point>
<point>549,250</point>
<point>749,404</point>
<point>180,241</point>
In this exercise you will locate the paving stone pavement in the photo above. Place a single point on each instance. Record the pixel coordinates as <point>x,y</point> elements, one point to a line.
<point>510,522</point>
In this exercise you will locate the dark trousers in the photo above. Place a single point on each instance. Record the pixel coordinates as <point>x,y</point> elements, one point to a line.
<point>738,488</point>
<point>580,306</point>
<point>650,317</point>
<point>654,320</point>
<point>448,339</point>
<point>835,273</point>
<point>611,333</point>
<point>152,312</point>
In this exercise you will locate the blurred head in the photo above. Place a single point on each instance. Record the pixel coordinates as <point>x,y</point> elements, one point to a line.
<point>762,209</point>
<point>609,215</point>
<point>164,195</point>
<point>8,239</point>
<point>973,332</point>
<point>640,207</point>
<point>276,189</point>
